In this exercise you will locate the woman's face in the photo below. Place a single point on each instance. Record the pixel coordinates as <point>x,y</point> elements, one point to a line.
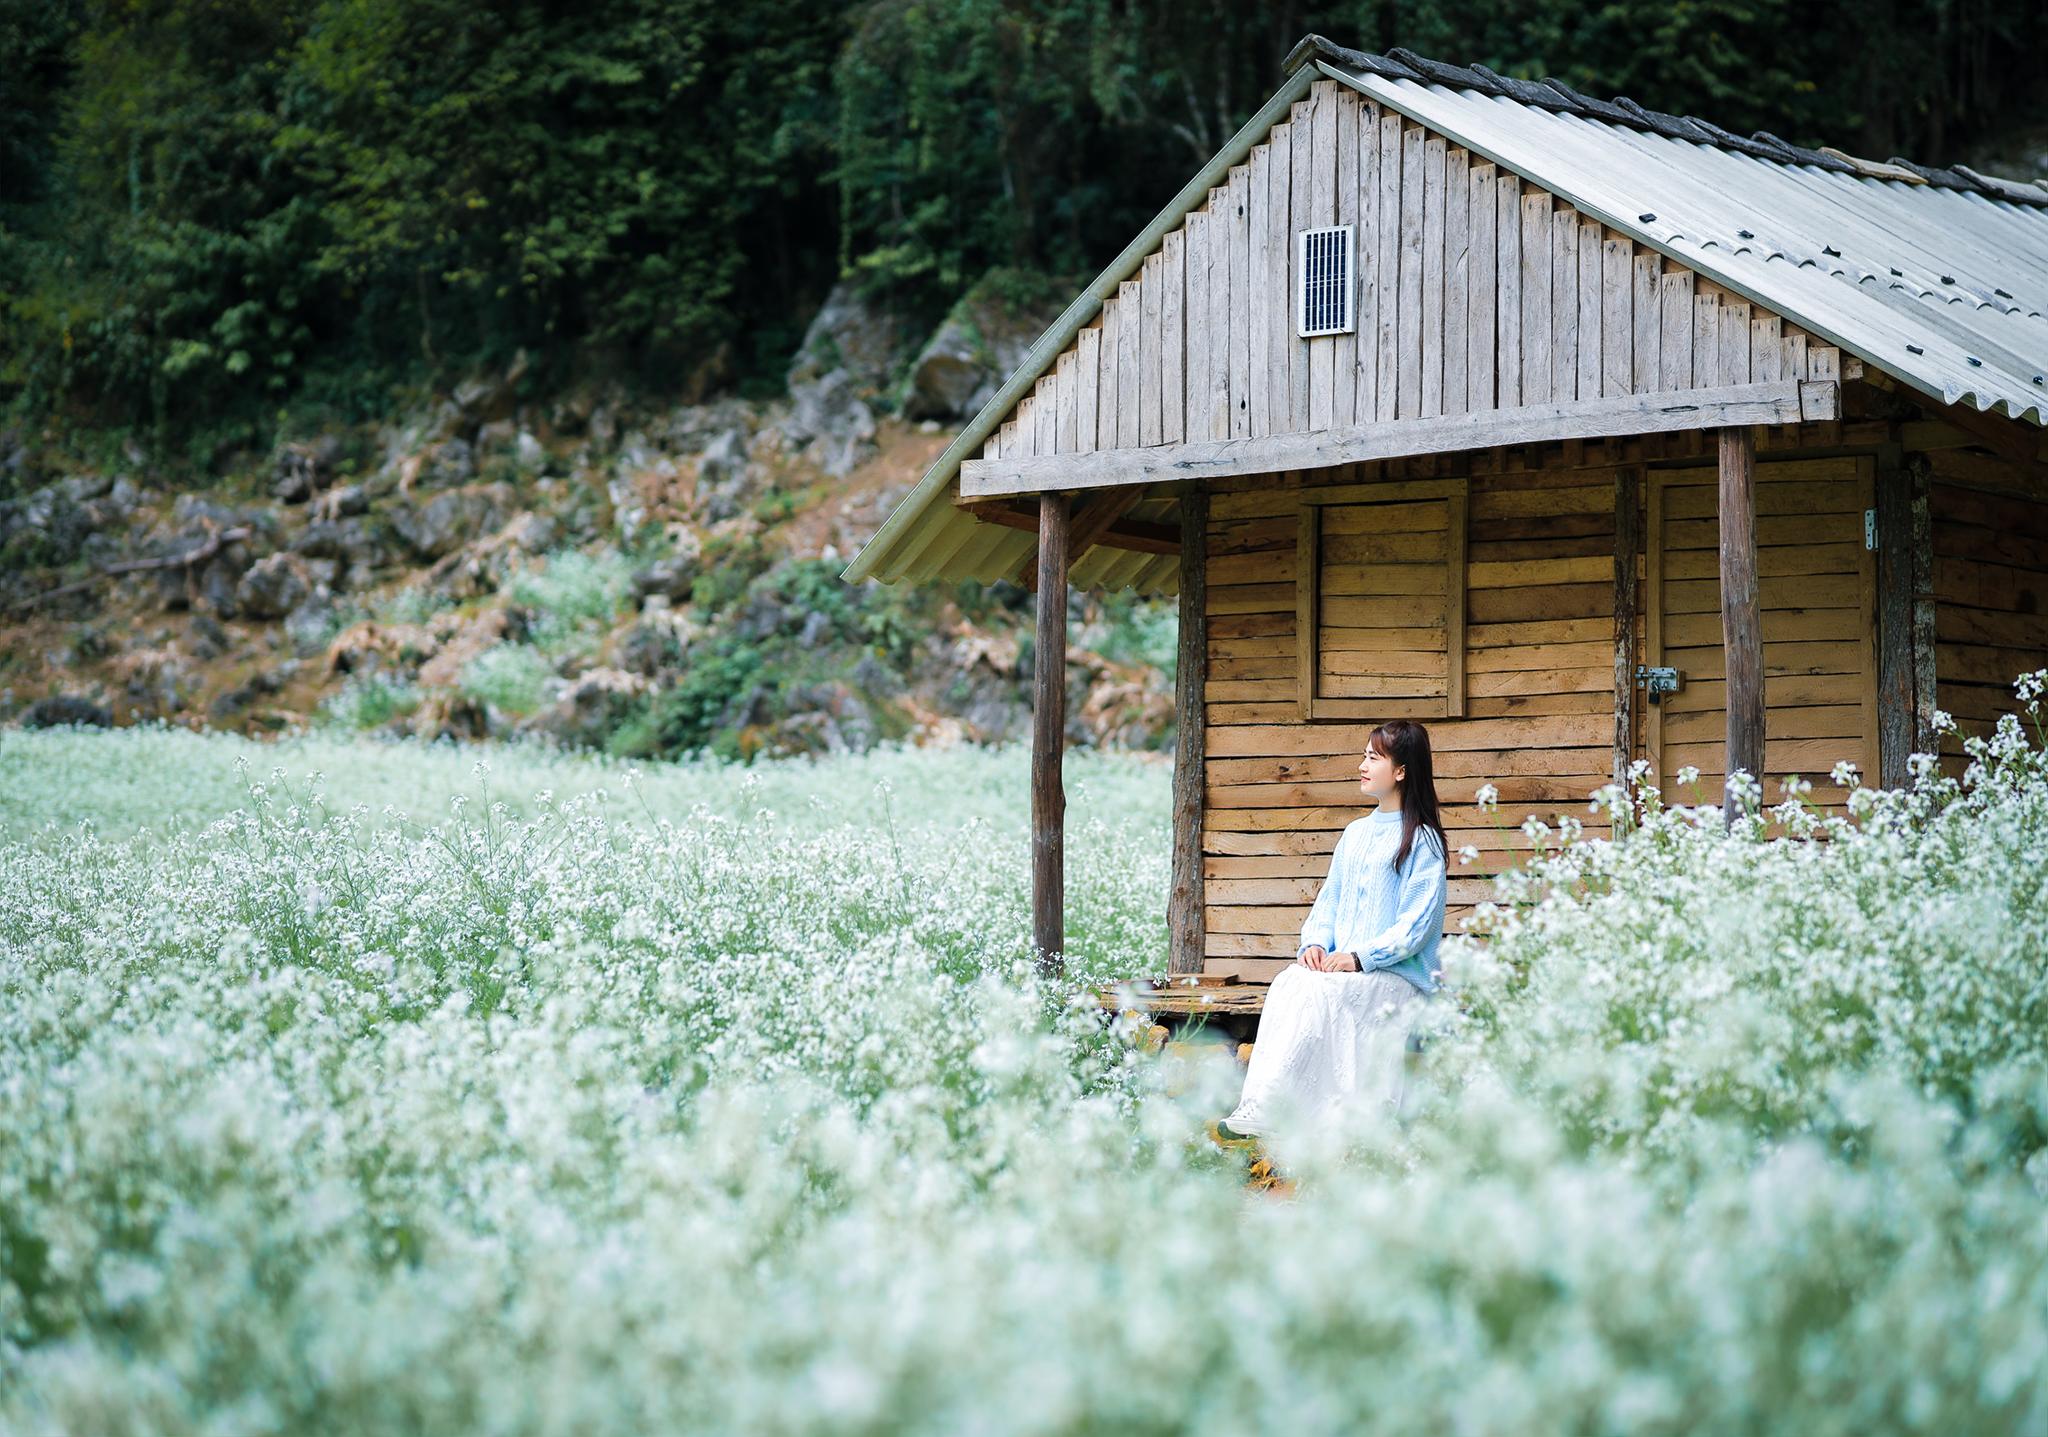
<point>1378,778</point>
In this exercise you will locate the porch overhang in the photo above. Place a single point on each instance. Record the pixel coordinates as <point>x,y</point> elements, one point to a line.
<point>1789,401</point>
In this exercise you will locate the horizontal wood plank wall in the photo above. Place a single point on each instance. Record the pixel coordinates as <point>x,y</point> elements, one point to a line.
<point>1382,601</point>
<point>1991,604</point>
<point>1538,720</point>
<point>1474,290</point>
<point>1818,592</point>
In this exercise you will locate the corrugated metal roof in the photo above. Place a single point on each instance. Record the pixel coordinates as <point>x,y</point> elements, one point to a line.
<point>1938,277</point>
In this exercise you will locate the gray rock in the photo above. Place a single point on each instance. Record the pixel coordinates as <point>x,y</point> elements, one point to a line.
<point>47,528</point>
<point>452,461</point>
<point>274,586</point>
<point>836,424</point>
<point>853,346</point>
<point>875,678</point>
<point>349,499</point>
<point>816,630</point>
<point>209,639</point>
<point>82,488</point>
<point>448,520</point>
<point>483,398</point>
<point>356,541</point>
<point>530,532</point>
<point>495,436</point>
<point>191,512</point>
<point>650,649</point>
<point>261,684</point>
<point>862,336</point>
<point>60,709</point>
<point>229,702</point>
<point>672,576</point>
<point>304,468</point>
<point>724,470</point>
<point>978,345</point>
<point>760,615</point>
<point>217,582</point>
<point>724,458</point>
<point>310,625</point>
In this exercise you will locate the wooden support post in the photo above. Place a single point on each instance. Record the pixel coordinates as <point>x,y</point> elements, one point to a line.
<point>1048,740</point>
<point>1742,641</point>
<point>1895,693</point>
<point>1925,740</point>
<point>1186,922</point>
<point>1628,539</point>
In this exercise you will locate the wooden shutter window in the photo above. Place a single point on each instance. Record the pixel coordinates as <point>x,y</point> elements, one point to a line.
<point>1380,601</point>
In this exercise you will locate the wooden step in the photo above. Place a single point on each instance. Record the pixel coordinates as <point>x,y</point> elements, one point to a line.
<point>1187,995</point>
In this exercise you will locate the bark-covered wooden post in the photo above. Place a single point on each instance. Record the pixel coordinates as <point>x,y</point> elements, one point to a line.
<point>1895,672</point>
<point>1185,920</point>
<point>1048,740</point>
<point>1925,740</point>
<point>1628,539</point>
<point>1741,620</point>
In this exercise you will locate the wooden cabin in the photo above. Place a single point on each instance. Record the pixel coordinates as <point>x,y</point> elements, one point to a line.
<point>1584,433</point>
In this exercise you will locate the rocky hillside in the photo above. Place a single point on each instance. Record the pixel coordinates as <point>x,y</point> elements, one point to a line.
<point>641,577</point>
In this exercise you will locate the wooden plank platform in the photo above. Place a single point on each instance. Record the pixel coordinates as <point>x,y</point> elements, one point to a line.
<point>1186,995</point>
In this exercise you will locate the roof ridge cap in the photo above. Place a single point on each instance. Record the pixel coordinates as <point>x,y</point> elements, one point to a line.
<point>1401,63</point>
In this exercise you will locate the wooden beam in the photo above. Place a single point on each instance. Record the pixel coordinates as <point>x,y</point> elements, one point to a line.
<point>1048,741</point>
<point>1628,538</point>
<point>1787,401</point>
<point>1138,537</point>
<point>1742,640</point>
<point>2014,440</point>
<point>1186,920</point>
<point>1095,519</point>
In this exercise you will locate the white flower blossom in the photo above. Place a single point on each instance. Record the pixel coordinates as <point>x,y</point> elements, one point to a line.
<point>414,1085</point>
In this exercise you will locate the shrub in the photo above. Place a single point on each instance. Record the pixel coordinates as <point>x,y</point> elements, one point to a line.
<point>370,701</point>
<point>512,678</point>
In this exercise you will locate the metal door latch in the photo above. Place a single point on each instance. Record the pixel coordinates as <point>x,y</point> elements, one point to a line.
<point>1657,682</point>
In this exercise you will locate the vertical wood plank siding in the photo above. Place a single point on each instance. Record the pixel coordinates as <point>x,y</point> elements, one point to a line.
<point>1472,290</point>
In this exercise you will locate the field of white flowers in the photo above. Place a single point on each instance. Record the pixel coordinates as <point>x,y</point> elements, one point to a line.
<point>551,1097</point>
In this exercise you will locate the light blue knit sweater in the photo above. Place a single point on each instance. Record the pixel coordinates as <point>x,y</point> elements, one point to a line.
<point>1391,921</point>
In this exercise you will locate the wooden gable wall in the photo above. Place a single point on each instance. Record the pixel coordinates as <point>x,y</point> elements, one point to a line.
<point>1476,290</point>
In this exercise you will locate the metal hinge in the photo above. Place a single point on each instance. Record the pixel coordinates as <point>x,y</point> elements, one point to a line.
<point>1657,682</point>
<point>1870,528</point>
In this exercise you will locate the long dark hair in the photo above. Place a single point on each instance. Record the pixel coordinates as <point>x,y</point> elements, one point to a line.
<point>1406,744</point>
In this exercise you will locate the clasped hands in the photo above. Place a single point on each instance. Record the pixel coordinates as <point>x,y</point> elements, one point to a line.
<point>1320,958</point>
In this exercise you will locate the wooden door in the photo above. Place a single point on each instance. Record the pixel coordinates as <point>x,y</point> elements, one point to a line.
<point>1817,582</point>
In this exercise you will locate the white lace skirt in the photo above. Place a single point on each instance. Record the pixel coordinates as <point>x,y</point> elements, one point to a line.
<point>1327,1043</point>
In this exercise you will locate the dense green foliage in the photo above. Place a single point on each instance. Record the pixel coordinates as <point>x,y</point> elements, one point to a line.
<point>214,213</point>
